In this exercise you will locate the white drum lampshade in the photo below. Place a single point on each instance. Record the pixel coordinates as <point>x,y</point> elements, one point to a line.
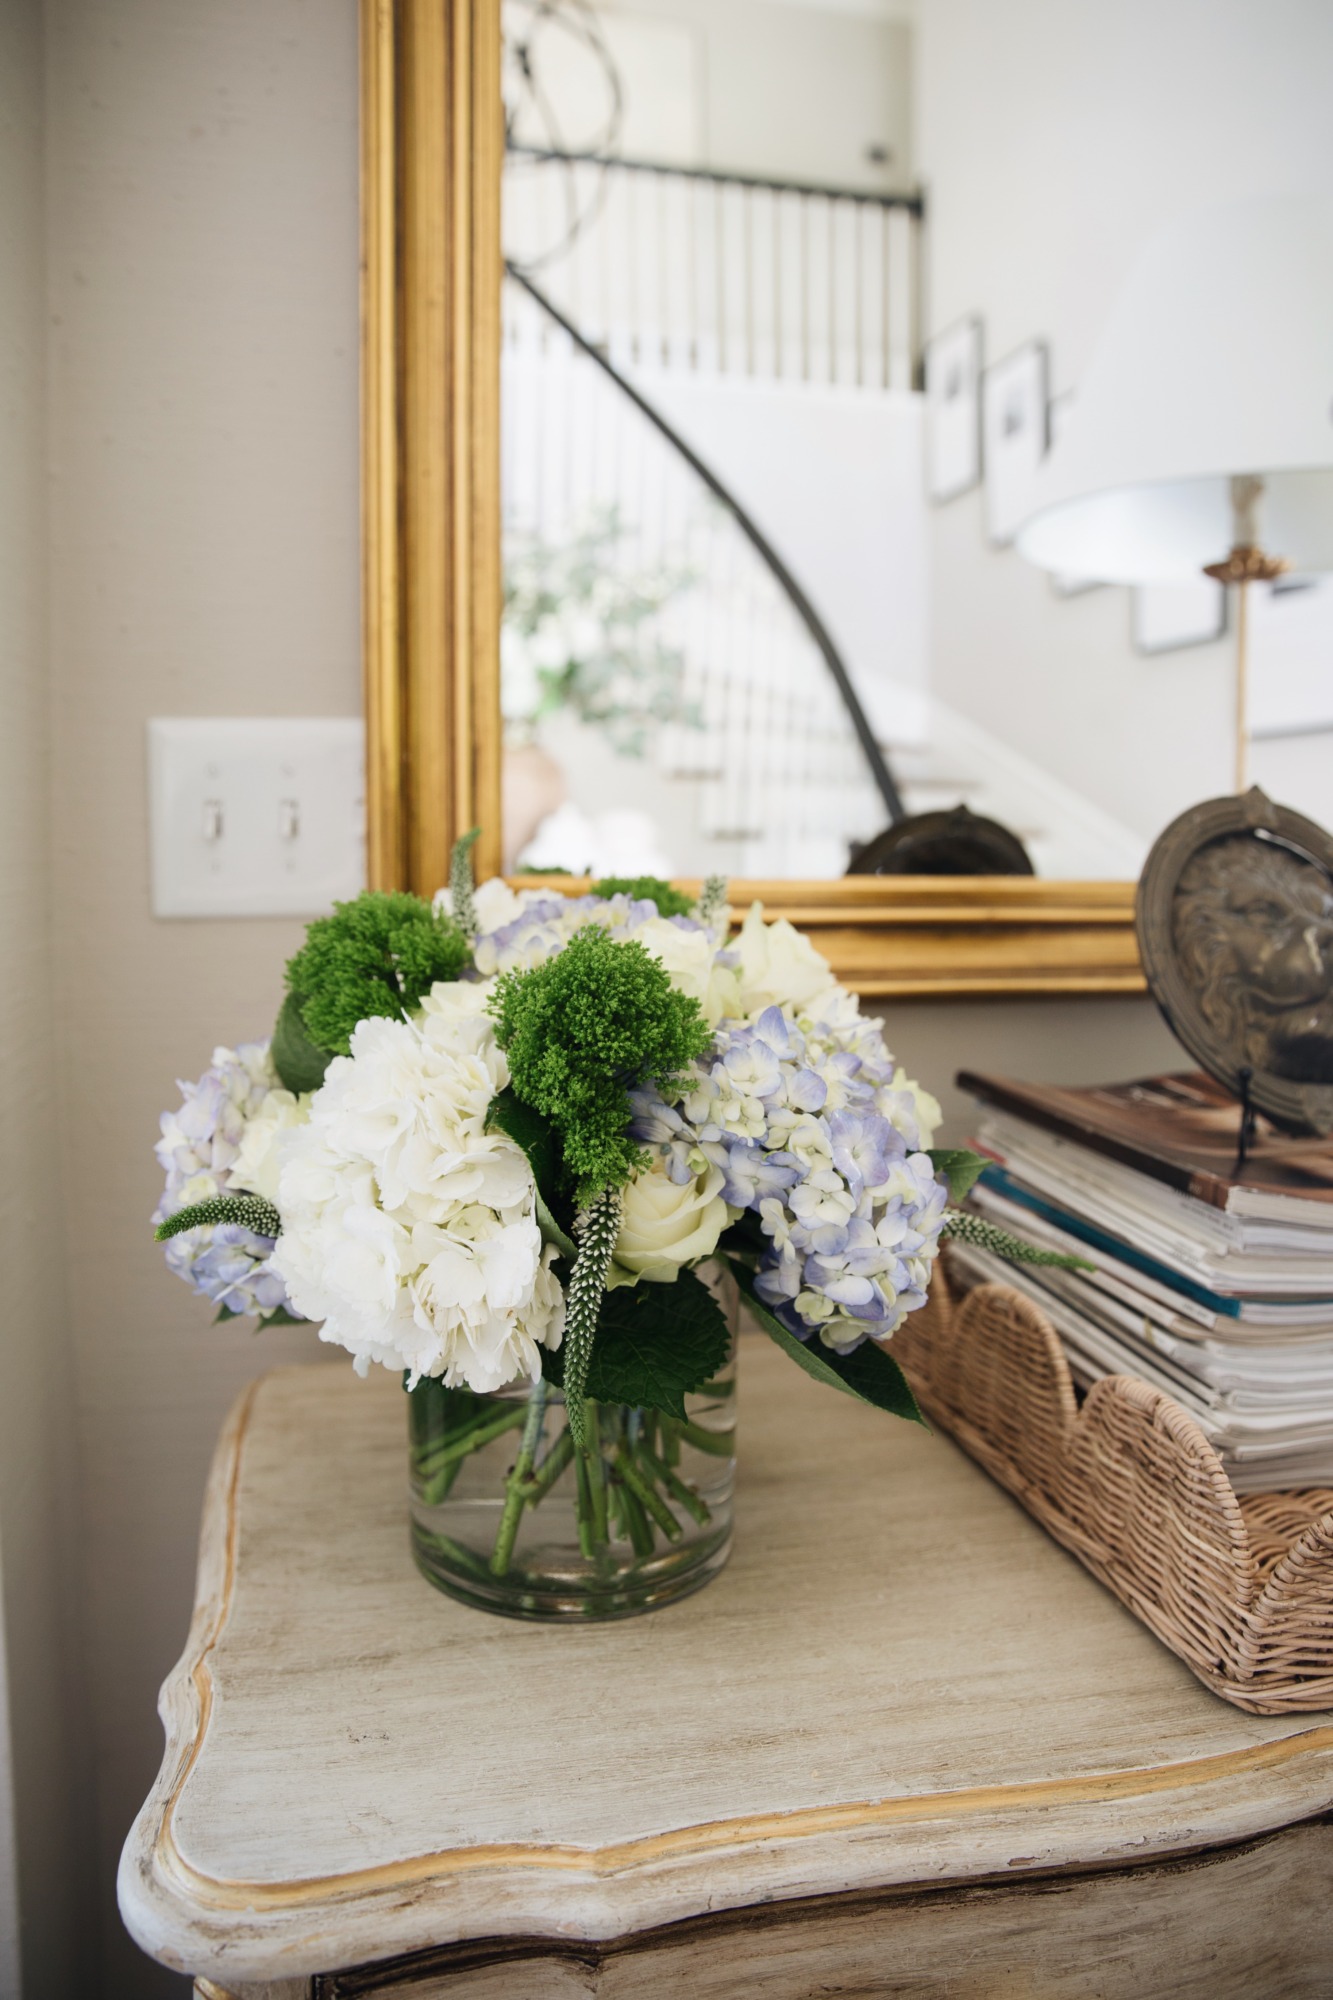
<point>1216,364</point>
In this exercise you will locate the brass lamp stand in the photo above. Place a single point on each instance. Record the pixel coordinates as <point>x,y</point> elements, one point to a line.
<point>1245,565</point>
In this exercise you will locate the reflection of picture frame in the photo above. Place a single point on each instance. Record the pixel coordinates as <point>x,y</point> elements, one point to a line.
<point>1015,434</point>
<point>1229,897</point>
<point>1164,617</point>
<point>953,410</point>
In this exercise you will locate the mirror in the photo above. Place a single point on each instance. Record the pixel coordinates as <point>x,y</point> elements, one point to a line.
<point>713,650</point>
<point>688,412</point>
<point>742,492</point>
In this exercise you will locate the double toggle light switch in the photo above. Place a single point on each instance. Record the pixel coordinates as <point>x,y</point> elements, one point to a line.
<point>255,817</point>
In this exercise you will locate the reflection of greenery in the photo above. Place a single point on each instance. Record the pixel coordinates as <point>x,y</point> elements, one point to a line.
<point>646,889</point>
<point>582,632</point>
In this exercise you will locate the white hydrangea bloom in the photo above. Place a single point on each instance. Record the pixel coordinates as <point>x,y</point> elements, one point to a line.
<point>409,1229</point>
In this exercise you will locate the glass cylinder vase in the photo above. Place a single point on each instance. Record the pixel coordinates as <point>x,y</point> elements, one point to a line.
<point>510,1516</point>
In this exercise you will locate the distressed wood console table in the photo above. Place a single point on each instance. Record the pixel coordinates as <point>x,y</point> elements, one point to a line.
<point>903,1745</point>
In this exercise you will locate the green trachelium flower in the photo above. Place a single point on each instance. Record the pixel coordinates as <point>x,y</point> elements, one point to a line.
<point>647,889</point>
<point>580,1031</point>
<point>380,954</point>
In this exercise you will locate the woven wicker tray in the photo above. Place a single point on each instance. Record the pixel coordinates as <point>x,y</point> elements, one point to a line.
<point>1240,1588</point>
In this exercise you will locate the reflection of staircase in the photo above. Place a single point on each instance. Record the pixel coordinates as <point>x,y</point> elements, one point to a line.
<point>664,311</point>
<point>742,522</point>
<point>780,772</point>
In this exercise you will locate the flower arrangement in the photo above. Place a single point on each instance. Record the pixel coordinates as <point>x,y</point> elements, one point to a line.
<point>494,1141</point>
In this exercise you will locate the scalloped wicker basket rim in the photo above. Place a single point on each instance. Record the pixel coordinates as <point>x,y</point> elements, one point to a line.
<point>1240,1589</point>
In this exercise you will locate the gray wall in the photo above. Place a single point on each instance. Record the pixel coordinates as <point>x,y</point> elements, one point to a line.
<point>1050,1041</point>
<point>202,256</point>
<point>39,1446</point>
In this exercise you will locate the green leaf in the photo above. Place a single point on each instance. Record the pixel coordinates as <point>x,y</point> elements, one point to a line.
<point>744,1237</point>
<point>281,1317</point>
<point>245,1211</point>
<point>868,1373</point>
<point>535,1134</point>
<point>655,1343</point>
<point>551,1232</point>
<point>300,1065</point>
<point>957,1168</point>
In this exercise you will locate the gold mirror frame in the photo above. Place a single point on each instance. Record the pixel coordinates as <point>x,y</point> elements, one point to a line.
<point>432,153</point>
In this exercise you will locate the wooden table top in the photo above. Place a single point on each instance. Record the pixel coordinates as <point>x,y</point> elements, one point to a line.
<point>898,1679</point>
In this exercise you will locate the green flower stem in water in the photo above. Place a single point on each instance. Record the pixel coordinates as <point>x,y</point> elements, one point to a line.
<point>634,1519</point>
<point>465,1436</point>
<point>550,1469</point>
<point>515,1494</point>
<point>456,1555</point>
<point>583,1511</point>
<point>645,1495</point>
<point>439,1468</point>
<point>625,1481</point>
<point>596,1471</point>
<point>718,1444</point>
<point>683,1495</point>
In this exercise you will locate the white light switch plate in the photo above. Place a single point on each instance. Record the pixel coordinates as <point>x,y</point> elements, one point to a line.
<point>255,817</point>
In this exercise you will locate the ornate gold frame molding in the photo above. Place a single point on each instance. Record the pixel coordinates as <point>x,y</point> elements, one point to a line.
<point>432,140</point>
<point>915,936</point>
<point>432,151</point>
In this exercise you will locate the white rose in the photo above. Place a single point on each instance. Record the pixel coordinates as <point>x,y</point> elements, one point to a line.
<point>779,966</point>
<point>258,1157</point>
<point>663,1227</point>
<point>689,959</point>
<point>495,903</point>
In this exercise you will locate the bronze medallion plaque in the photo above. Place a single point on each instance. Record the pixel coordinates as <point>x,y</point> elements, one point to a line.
<point>1235,924</point>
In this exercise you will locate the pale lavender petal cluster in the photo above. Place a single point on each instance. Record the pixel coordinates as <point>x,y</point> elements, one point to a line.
<point>814,1137</point>
<point>200,1144</point>
<point>537,925</point>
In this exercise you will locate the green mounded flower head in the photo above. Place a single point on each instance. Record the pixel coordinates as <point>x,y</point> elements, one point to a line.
<point>647,889</point>
<point>380,954</point>
<point>580,1030</point>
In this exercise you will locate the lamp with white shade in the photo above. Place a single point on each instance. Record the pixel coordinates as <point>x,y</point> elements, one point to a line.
<point>1201,437</point>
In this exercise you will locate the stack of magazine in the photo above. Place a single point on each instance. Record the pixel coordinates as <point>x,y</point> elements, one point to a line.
<point>1214,1286</point>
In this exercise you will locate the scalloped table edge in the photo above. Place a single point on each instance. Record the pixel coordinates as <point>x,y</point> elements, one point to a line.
<point>245,1930</point>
